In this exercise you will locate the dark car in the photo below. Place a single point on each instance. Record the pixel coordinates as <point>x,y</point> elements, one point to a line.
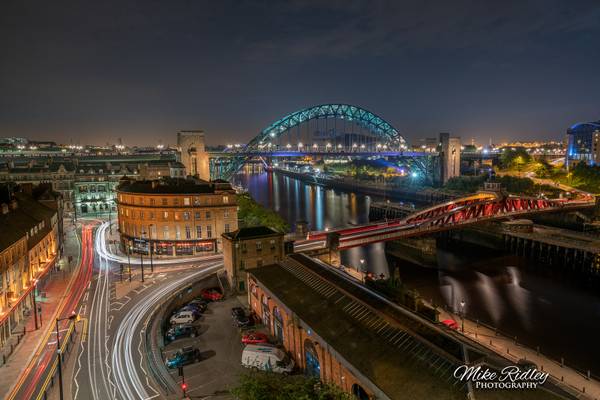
<point>237,311</point>
<point>179,331</point>
<point>242,321</point>
<point>201,305</point>
<point>184,356</point>
<point>212,294</point>
<point>194,310</point>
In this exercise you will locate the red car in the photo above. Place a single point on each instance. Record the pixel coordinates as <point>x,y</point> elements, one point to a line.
<point>255,338</point>
<point>450,323</point>
<point>211,294</point>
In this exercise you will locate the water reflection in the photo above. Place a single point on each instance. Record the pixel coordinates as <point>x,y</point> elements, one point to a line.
<point>540,309</point>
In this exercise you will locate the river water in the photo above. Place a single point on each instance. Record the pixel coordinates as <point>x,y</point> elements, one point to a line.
<point>516,295</point>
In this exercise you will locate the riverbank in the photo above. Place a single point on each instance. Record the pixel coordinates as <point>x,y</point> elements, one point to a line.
<point>417,194</point>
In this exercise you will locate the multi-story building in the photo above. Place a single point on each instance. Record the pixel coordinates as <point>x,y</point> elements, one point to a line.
<point>28,250</point>
<point>583,143</point>
<point>87,184</point>
<point>175,216</point>
<point>193,153</point>
<point>248,248</point>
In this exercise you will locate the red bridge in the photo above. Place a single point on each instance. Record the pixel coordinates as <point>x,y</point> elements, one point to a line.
<point>480,207</point>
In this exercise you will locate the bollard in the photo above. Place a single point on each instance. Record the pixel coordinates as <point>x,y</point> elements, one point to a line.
<point>562,378</point>
<point>583,389</point>
<point>589,375</point>
<point>491,342</point>
<point>507,350</point>
<point>542,368</point>
<point>477,323</point>
<point>475,335</point>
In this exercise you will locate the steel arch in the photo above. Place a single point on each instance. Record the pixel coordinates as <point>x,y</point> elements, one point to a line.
<point>365,118</point>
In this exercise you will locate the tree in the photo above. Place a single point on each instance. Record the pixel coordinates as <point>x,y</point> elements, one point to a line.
<point>251,213</point>
<point>516,158</point>
<point>258,385</point>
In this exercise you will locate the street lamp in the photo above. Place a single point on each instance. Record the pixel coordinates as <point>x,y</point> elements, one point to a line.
<point>362,269</point>
<point>58,351</point>
<point>462,315</point>
<point>150,246</point>
<point>35,314</point>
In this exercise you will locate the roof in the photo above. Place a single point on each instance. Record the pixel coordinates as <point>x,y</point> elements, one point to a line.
<point>171,186</point>
<point>252,232</point>
<point>397,354</point>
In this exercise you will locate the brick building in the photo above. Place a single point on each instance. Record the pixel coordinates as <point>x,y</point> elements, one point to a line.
<point>175,216</point>
<point>340,333</point>
<point>248,248</point>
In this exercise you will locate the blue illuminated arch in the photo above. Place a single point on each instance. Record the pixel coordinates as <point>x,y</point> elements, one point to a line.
<point>365,118</point>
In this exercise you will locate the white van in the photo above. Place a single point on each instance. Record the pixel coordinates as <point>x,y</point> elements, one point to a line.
<point>267,358</point>
<point>183,317</point>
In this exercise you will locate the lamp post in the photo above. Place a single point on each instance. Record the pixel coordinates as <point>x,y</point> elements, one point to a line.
<point>35,314</point>
<point>362,269</point>
<point>58,351</point>
<point>129,259</point>
<point>462,316</point>
<point>150,246</point>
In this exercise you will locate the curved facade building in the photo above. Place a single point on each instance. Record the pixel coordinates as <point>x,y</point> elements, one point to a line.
<point>583,143</point>
<point>175,217</point>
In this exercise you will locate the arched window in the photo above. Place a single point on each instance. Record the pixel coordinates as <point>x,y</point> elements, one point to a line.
<point>266,314</point>
<point>311,357</point>
<point>359,392</point>
<point>277,324</point>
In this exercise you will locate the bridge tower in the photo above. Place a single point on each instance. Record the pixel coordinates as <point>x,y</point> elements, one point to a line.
<point>193,153</point>
<point>449,157</point>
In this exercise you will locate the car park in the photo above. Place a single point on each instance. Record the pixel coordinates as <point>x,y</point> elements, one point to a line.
<point>184,356</point>
<point>212,294</point>
<point>242,321</point>
<point>179,331</point>
<point>201,305</point>
<point>255,338</point>
<point>193,309</point>
<point>183,317</point>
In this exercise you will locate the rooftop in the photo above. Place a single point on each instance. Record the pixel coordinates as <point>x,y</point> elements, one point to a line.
<point>251,232</point>
<point>171,186</point>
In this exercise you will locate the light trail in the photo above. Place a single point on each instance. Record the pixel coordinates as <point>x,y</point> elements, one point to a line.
<point>102,250</point>
<point>127,377</point>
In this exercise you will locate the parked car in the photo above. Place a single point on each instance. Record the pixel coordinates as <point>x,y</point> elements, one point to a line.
<point>193,309</point>
<point>242,321</point>
<point>255,338</point>
<point>212,294</point>
<point>201,305</point>
<point>183,317</point>
<point>267,358</point>
<point>237,311</point>
<point>184,356</point>
<point>450,323</point>
<point>179,331</point>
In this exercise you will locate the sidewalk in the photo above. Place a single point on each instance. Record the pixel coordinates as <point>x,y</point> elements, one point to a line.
<point>55,291</point>
<point>508,348</point>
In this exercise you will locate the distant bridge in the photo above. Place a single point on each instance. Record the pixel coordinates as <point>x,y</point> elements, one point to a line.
<point>477,208</point>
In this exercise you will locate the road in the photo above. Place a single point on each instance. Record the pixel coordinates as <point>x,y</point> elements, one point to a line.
<point>37,375</point>
<point>111,361</point>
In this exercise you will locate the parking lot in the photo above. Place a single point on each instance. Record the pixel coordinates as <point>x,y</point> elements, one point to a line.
<point>220,348</point>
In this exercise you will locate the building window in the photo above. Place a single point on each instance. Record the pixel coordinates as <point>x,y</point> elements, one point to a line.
<point>186,216</point>
<point>258,246</point>
<point>166,232</point>
<point>198,232</point>
<point>196,201</point>
<point>176,216</point>
<point>225,199</point>
<point>177,232</point>
<point>152,202</point>
<point>175,201</point>
<point>208,231</point>
<point>208,215</point>
<point>226,214</point>
<point>151,215</point>
<point>242,265</point>
<point>165,215</point>
<point>141,215</point>
<point>197,215</point>
<point>186,201</point>
<point>359,392</point>
<point>164,202</point>
<point>188,232</point>
<point>226,228</point>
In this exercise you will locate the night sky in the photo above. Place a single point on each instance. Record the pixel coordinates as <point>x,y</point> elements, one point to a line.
<point>90,72</point>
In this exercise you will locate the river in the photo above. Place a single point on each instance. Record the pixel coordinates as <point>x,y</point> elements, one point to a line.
<point>559,315</point>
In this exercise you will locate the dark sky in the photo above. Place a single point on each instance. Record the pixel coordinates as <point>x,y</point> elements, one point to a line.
<point>91,72</point>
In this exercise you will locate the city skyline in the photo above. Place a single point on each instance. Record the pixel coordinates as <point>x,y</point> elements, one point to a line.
<point>143,71</point>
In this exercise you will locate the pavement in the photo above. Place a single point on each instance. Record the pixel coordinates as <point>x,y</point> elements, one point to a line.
<point>220,345</point>
<point>56,287</point>
<point>512,350</point>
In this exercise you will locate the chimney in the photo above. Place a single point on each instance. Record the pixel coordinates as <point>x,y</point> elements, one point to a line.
<point>4,208</point>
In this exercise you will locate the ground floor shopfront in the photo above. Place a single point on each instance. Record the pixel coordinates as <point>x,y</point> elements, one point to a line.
<point>169,248</point>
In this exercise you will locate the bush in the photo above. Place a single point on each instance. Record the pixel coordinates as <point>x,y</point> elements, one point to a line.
<point>253,214</point>
<point>260,385</point>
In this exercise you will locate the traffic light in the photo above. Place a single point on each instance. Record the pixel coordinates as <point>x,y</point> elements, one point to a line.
<point>184,386</point>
